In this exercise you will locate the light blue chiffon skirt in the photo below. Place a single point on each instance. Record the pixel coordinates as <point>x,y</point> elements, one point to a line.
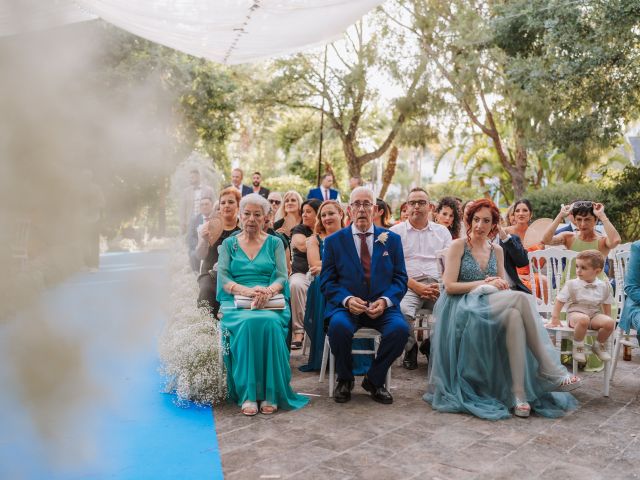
<point>477,340</point>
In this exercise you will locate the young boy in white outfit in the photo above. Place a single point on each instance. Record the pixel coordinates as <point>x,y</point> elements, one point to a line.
<point>588,301</point>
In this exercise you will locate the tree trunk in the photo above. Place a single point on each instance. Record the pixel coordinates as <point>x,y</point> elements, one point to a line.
<point>518,173</point>
<point>389,170</point>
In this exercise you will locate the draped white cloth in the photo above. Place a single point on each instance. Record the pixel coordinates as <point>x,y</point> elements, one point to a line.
<point>226,31</point>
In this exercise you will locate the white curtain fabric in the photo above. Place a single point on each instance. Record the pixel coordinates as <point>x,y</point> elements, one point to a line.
<point>226,31</point>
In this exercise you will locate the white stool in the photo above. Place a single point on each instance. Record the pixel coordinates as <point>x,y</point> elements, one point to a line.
<point>366,333</point>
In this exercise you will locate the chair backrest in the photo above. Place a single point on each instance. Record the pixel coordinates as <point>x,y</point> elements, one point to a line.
<point>551,262</point>
<point>621,255</point>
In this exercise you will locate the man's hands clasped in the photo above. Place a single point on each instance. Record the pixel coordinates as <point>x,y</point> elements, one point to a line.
<point>357,306</point>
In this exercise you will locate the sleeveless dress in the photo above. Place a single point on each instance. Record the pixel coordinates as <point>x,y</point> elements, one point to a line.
<point>254,341</point>
<point>470,367</point>
<point>315,329</point>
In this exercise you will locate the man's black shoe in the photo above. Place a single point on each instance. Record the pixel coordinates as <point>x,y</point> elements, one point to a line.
<point>379,394</point>
<point>425,347</point>
<point>410,361</point>
<point>342,392</point>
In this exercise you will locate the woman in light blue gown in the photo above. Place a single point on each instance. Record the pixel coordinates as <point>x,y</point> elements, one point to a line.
<point>253,264</point>
<point>490,352</point>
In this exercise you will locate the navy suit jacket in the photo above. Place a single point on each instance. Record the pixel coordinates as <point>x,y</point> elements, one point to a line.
<point>515,256</point>
<point>246,190</point>
<point>317,193</point>
<point>342,274</point>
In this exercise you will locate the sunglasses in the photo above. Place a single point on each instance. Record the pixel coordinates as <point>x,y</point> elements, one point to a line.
<point>583,204</point>
<point>275,202</point>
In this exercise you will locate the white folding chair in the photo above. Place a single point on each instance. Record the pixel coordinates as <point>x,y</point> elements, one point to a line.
<point>552,263</point>
<point>621,256</point>
<point>367,333</point>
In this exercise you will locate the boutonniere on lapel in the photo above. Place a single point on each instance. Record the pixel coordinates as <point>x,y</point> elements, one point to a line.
<point>382,238</point>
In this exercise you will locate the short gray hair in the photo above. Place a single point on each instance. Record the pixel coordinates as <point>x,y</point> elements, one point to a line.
<point>357,190</point>
<point>255,199</point>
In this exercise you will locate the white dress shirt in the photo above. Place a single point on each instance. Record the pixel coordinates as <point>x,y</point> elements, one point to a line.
<point>587,295</point>
<point>326,194</point>
<point>421,246</point>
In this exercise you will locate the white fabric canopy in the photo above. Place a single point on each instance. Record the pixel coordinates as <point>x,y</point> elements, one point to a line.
<point>226,31</point>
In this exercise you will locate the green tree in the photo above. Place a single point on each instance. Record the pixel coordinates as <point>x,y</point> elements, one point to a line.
<point>532,76</point>
<point>343,92</point>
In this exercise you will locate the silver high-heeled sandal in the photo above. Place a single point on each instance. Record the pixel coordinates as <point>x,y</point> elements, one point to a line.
<point>522,408</point>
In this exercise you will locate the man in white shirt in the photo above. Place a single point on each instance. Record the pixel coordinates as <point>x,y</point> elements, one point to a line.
<point>421,241</point>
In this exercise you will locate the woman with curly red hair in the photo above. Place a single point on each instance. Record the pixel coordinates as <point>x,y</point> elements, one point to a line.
<point>490,352</point>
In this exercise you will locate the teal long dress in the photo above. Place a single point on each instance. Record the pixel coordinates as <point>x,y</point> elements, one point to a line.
<point>254,341</point>
<point>478,337</point>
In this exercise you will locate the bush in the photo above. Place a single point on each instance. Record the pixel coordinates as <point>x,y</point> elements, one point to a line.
<point>622,204</point>
<point>546,201</point>
<point>288,182</point>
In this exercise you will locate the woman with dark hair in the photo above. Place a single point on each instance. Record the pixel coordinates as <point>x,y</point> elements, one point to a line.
<point>490,352</point>
<point>448,215</point>
<point>299,281</point>
<point>522,212</point>
<point>382,217</point>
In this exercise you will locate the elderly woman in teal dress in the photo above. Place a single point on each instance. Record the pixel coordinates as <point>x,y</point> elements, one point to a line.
<point>630,317</point>
<point>253,264</point>
<point>490,353</point>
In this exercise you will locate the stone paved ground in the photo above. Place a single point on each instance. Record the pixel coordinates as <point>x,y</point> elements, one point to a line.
<point>365,440</point>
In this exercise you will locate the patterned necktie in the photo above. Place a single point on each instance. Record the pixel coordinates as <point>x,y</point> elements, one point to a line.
<point>365,256</point>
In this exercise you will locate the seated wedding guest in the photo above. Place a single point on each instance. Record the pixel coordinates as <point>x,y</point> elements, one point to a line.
<point>490,352</point>
<point>275,199</point>
<point>355,182</point>
<point>210,238</point>
<point>421,241</point>
<point>404,212</point>
<point>588,301</point>
<point>363,280</point>
<point>382,217</point>
<point>585,215</point>
<point>630,317</point>
<point>299,281</point>
<point>329,220</point>
<point>324,191</point>
<point>447,214</point>
<point>206,210</point>
<point>252,264</point>
<point>289,213</point>
<point>510,216</point>
<point>522,214</point>
<point>190,199</point>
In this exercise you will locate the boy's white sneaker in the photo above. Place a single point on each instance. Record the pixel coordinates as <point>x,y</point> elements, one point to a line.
<point>600,350</point>
<point>578,352</point>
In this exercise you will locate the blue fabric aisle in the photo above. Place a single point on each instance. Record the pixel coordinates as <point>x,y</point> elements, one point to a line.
<point>132,429</point>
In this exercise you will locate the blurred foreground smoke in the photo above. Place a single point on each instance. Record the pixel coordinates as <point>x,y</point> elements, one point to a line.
<point>74,133</point>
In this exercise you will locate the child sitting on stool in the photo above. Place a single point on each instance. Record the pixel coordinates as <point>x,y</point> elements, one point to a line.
<point>588,302</point>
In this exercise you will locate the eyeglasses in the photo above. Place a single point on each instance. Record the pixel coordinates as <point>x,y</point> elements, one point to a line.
<point>359,205</point>
<point>275,202</point>
<point>414,203</point>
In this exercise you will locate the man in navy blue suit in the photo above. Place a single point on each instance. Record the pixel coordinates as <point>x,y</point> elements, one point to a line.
<point>363,279</point>
<point>324,191</point>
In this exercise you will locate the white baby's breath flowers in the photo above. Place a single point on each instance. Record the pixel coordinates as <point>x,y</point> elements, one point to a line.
<point>190,344</point>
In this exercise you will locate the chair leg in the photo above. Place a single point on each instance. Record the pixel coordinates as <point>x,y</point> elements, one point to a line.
<point>388,379</point>
<point>332,372</point>
<point>616,353</point>
<point>325,355</point>
<point>607,378</point>
<point>305,345</point>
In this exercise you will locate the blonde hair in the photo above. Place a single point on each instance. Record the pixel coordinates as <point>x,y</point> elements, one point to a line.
<point>290,193</point>
<point>319,228</point>
<point>593,257</point>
